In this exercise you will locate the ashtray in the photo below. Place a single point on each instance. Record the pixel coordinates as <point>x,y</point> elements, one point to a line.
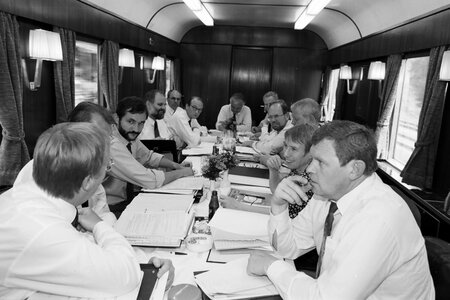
<point>199,242</point>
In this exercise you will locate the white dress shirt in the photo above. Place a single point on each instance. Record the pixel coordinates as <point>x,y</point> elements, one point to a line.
<point>243,118</point>
<point>148,131</point>
<point>42,252</point>
<point>183,132</point>
<point>136,168</point>
<point>375,250</point>
<point>272,142</point>
<point>97,202</point>
<point>169,113</point>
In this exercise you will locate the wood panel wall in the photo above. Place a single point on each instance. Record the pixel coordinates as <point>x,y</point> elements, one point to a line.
<point>297,63</point>
<point>88,22</point>
<point>415,36</point>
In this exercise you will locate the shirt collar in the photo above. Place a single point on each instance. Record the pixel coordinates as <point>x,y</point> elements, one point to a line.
<point>116,134</point>
<point>355,196</point>
<point>151,121</point>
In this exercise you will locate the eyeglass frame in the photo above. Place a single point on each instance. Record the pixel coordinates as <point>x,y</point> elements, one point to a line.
<point>274,117</point>
<point>196,108</point>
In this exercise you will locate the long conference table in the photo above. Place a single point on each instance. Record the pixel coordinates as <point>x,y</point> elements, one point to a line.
<point>186,262</point>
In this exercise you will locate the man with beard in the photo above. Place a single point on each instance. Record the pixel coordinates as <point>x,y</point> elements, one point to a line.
<point>155,127</point>
<point>134,164</point>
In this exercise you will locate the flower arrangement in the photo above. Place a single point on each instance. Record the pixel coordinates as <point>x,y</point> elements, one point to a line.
<point>218,163</point>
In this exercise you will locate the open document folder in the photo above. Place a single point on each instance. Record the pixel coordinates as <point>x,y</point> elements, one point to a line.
<point>236,229</point>
<point>231,281</point>
<point>159,220</point>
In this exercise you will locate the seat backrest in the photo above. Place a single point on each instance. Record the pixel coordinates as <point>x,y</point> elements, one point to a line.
<point>412,206</point>
<point>438,252</point>
<point>162,147</point>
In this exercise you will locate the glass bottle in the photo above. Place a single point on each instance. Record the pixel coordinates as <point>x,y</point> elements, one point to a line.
<point>213,204</point>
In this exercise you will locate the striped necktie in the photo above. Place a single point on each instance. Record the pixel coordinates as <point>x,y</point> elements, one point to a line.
<point>326,233</point>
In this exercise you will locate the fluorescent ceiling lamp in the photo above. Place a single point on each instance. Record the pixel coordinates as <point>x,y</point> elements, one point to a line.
<point>193,4</point>
<point>204,16</point>
<point>126,58</point>
<point>158,63</point>
<point>377,70</point>
<point>316,6</point>
<point>45,45</point>
<point>303,20</point>
<point>444,73</point>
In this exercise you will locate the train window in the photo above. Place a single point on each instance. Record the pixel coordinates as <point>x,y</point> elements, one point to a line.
<point>169,75</point>
<point>405,118</point>
<point>86,72</point>
<point>330,98</point>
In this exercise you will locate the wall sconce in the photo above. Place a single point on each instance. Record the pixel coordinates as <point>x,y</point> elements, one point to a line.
<point>377,71</point>
<point>147,64</point>
<point>348,74</point>
<point>444,73</point>
<point>126,60</point>
<point>42,45</point>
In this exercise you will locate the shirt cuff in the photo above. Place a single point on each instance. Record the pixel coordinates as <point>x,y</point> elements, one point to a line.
<point>280,222</point>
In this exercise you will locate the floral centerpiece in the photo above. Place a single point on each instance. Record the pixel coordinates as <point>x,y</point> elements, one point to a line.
<point>218,163</point>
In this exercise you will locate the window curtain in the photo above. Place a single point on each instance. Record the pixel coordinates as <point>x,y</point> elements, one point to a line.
<point>329,104</point>
<point>109,74</point>
<point>176,74</point>
<point>420,167</point>
<point>161,79</point>
<point>341,88</point>
<point>388,94</point>
<point>325,92</point>
<point>13,150</point>
<point>65,75</point>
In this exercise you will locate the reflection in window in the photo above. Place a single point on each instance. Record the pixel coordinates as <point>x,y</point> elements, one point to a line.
<point>329,102</point>
<point>86,72</point>
<point>405,119</point>
<point>169,75</point>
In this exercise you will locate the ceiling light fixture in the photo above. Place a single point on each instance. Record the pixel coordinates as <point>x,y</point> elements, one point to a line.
<point>313,9</point>
<point>200,11</point>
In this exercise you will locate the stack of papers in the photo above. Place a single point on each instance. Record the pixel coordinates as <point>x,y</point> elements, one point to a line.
<point>231,281</point>
<point>205,148</point>
<point>246,150</point>
<point>236,229</point>
<point>183,186</point>
<point>156,220</point>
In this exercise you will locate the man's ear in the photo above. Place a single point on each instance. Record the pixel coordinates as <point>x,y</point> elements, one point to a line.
<point>116,118</point>
<point>357,168</point>
<point>87,183</point>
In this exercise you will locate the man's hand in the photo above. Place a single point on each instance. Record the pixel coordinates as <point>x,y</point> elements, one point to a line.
<point>290,190</point>
<point>259,262</point>
<point>247,143</point>
<point>186,164</point>
<point>274,162</point>
<point>164,265</point>
<point>187,171</point>
<point>229,202</point>
<point>87,218</point>
<point>256,129</point>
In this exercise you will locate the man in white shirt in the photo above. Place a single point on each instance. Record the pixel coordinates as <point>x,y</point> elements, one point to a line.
<point>235,112</point>
<point>42,250</point>
<point>135,164</point>
<point>268,98</point>
<point>305,111</point>
<point>155,126</point>
<point>273,142</point>
<point>173,102</point>
<point>184,126</point>
<point>368,241</point>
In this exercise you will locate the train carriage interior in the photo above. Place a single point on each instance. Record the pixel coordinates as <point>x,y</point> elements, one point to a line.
<point>384,64</point>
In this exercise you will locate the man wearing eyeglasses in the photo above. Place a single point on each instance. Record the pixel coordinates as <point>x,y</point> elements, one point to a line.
<point>184,126</point>
<point>272,143</point>
<point>236,112</point>
<point>173,102</point>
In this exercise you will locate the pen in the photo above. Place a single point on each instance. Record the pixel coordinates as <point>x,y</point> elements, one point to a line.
<point>178,253</point>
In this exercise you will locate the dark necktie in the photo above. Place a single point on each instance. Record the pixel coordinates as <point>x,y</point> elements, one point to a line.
<point>156,130</point>
<point>326,233</point>
<point>130,188</point>
<point>75,220</point>
<point>190,123</point>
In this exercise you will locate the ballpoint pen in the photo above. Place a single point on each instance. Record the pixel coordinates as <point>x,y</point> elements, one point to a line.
<point>177,253</point>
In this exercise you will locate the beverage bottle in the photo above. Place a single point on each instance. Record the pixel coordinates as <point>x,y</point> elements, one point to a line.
<point>213,204</point>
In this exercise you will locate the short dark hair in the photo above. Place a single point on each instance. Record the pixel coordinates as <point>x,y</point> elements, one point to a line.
<point>282,103</point>
<point>151,95</point>
<point>238,96</point>
<point>189,100</point>
<point>351,141</point>
<point>301,134</point>
<point>65,155</point>
<point>84,111</point>
<point>133,105</point>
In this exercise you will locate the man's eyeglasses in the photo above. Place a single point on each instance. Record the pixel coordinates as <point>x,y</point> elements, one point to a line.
<point>274,117</point>
<point>175,98</point>
<point>196,108</point>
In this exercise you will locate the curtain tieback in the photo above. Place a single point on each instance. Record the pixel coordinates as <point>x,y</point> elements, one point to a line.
<point>422,144</point>
<point>382,124</point>
<point>9,137</point>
